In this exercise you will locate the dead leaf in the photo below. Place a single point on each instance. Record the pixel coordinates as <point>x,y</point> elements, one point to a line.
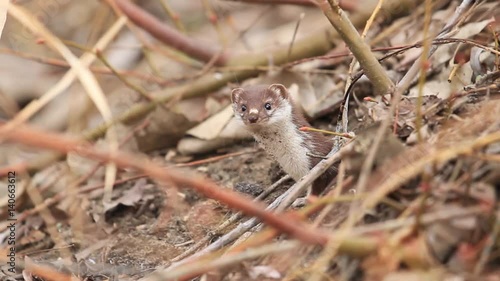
<point>211,128</point>
<point>232,132</point>
<point>129,198</point>
<point>445,53</point>
<point>263,271</point>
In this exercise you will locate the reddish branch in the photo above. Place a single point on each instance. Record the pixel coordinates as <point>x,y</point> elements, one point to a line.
<point>170,36</point>
<point>278,2</point>
<point>46,272</point>
<point>346,5</point>
<point>288,223</point>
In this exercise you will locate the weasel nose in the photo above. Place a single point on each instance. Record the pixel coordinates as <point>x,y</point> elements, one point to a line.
<point>253,118</point>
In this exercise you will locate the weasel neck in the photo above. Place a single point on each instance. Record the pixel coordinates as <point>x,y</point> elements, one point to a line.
<point>287,145</point>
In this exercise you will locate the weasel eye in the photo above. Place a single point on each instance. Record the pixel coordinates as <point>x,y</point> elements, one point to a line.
<point>267,106</point>
<point>243,108</point>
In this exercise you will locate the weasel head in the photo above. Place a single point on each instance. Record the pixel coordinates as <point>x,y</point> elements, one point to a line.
<point>261,106</point>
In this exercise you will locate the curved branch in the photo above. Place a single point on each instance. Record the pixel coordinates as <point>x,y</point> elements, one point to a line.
<point>287,222</point>
<point>170,36</point>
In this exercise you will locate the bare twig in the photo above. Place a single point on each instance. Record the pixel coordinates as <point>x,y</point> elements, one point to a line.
<point>277,2</point>
<point>492,240</point>
<point>214,159</point>
<point>234,234</point>
<point>373,70</point>
<point>345,106</point>
<point>174,16</point>
<point>346,5</point>
<point>129,84</point>
<point>404,83</point>
<point>88,80</point>
<point>196,268</point>
<point>299,187</point>
<point>168,35</point>
<point>226,239</point>
<point>423,69</point>
<point>249,224</point>
<point>359,243</point>
<point>399,90</point>
<point>301,17</point>
<point>213,18</point>
<point>95,69</point>
<point>313,45</point>
<point>284,222</point>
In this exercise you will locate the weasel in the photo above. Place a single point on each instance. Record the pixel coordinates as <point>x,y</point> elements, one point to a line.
<point>270,115</point>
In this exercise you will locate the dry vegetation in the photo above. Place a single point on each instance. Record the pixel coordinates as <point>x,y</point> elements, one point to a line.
<point>122,161</point>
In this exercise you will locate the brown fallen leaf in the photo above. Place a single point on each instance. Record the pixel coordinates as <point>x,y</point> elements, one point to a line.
<point>129,198</point>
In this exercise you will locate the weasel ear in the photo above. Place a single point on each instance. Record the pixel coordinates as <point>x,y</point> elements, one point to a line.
<point>235,94</point>
<point>279,90</point>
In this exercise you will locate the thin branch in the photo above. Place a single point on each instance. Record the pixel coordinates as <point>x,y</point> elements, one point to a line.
<point>346,5</point>
<point>419,122</point>
<point>277,2</point>
<point>173,16</point>
<point>364,240</point>
<point>284,222</point>
<point>223,240</point>
<point>313,45</point>
<point>168,35</point>
<point>404,83</point>
<point>373,70</point>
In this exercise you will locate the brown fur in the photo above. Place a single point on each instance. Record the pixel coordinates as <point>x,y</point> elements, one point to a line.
<point>257,119</point>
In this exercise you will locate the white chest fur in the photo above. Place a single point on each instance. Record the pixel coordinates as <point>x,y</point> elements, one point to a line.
<point>285,143</point>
